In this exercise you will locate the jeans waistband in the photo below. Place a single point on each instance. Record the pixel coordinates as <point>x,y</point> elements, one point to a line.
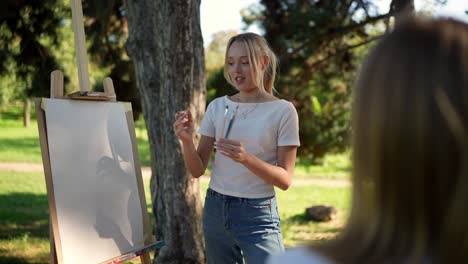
<point>232,198</point>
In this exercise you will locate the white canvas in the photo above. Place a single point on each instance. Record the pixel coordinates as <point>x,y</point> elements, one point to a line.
<point>96,195</point>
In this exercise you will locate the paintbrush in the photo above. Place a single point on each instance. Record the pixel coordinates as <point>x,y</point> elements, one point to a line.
<point>224,119</point>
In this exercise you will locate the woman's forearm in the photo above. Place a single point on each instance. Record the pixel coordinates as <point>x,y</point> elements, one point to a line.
<point>276,175</point>
<point>192,159</point>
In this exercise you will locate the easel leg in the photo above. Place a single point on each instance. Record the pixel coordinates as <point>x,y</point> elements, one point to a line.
<point>109,88</point>
<point>53,253</point>
<point>56,91</point>
<point>56,84</point>
<point>145,258</point>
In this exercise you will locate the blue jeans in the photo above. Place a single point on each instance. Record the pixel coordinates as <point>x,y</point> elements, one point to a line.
<point>237,228</point>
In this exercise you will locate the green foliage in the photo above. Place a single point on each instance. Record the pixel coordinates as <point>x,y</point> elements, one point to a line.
<point>214,53</point>
<point>25,58</point>
<point>218,86</point>
<point>36,38</point>
<point>106,28</point>
<point>317,44</point>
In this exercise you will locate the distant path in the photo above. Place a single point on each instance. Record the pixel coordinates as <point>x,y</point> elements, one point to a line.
<point>146,171</point>
<point>26,167</point>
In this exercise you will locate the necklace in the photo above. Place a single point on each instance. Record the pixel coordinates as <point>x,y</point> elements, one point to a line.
<point>248,111</point>
<point>245,113</point>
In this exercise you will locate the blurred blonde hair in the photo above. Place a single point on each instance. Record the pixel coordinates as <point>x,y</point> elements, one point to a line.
<point>410,150</point>
<point>257,47</point>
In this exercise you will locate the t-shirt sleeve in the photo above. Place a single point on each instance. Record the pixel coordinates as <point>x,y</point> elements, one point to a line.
<point>289,128</point>
<point>207,127</point>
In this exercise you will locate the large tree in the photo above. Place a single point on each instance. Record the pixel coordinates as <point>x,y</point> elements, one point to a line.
<point>166,47</point>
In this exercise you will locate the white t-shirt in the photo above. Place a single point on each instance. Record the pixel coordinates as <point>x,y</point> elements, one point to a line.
<point>299,255</point>
<point>261,128</point>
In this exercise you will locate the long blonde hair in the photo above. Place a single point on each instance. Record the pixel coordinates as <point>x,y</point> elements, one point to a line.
<point>410,150</point>
<point>257,47</point>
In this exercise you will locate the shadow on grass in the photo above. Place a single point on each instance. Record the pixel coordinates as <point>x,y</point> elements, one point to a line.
<point>298,219</point>
<point>23,214</point>
<point>26,144</point>
<point>11,260</point>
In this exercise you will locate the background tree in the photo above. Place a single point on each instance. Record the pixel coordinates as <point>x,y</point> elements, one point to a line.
<point>28,29</point>
<point>214,53</point>
<point>216,84</point>
<point>319,44</point>
<point>107,31</point>
<point>36,37</point>
<point>166,47</point>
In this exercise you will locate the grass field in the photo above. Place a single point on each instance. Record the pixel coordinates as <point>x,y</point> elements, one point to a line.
<point>24,226</point>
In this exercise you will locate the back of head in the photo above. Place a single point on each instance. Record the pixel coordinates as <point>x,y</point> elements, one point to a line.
<point>410,149</point>
<point>257,48</point>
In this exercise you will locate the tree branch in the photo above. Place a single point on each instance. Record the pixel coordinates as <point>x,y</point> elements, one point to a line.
<point>333,54</point>
<point>343,30</point>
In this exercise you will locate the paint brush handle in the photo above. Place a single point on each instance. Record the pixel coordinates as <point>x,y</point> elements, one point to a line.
<point>231,120</point>
<point>228,129</point>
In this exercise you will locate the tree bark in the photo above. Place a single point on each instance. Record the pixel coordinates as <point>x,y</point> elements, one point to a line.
<point>27,112</point>
<point>166,47</point>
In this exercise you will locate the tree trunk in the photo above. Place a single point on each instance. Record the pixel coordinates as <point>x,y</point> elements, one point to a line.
<point>166,47</point>
<point>27,112</point>
<point>403,9</point>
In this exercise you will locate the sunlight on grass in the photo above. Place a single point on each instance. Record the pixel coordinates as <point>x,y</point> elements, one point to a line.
<point>24,249</point>
<point>24,228</point>
<point>332,166</point>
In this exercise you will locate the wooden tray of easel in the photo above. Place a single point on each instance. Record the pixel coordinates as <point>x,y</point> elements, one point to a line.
<point>60,192</point>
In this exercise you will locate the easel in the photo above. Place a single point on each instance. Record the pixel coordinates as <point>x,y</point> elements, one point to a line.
<point>57,92</point>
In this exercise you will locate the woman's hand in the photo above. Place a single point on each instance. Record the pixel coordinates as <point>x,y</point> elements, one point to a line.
<point>232,149</point>
<point>183,126</point>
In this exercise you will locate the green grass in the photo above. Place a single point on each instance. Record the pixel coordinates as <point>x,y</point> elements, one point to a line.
<point>332,166</point>
<point>21,144</point>
<point>292,204</point>
<point>24,224</point>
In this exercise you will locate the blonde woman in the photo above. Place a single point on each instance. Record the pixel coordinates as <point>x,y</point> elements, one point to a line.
<point>410,152</point>
<point>255,135</point>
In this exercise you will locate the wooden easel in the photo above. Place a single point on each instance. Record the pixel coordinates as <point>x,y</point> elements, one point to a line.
<point>57,92</point>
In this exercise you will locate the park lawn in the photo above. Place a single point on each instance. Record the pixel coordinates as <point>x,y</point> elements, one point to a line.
<point>21,144</point>
<point>24,227</point>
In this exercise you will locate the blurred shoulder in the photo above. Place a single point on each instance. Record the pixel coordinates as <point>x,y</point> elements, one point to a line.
<point>217,104</point>
<point>219,101</point>
<point>299,255</point>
